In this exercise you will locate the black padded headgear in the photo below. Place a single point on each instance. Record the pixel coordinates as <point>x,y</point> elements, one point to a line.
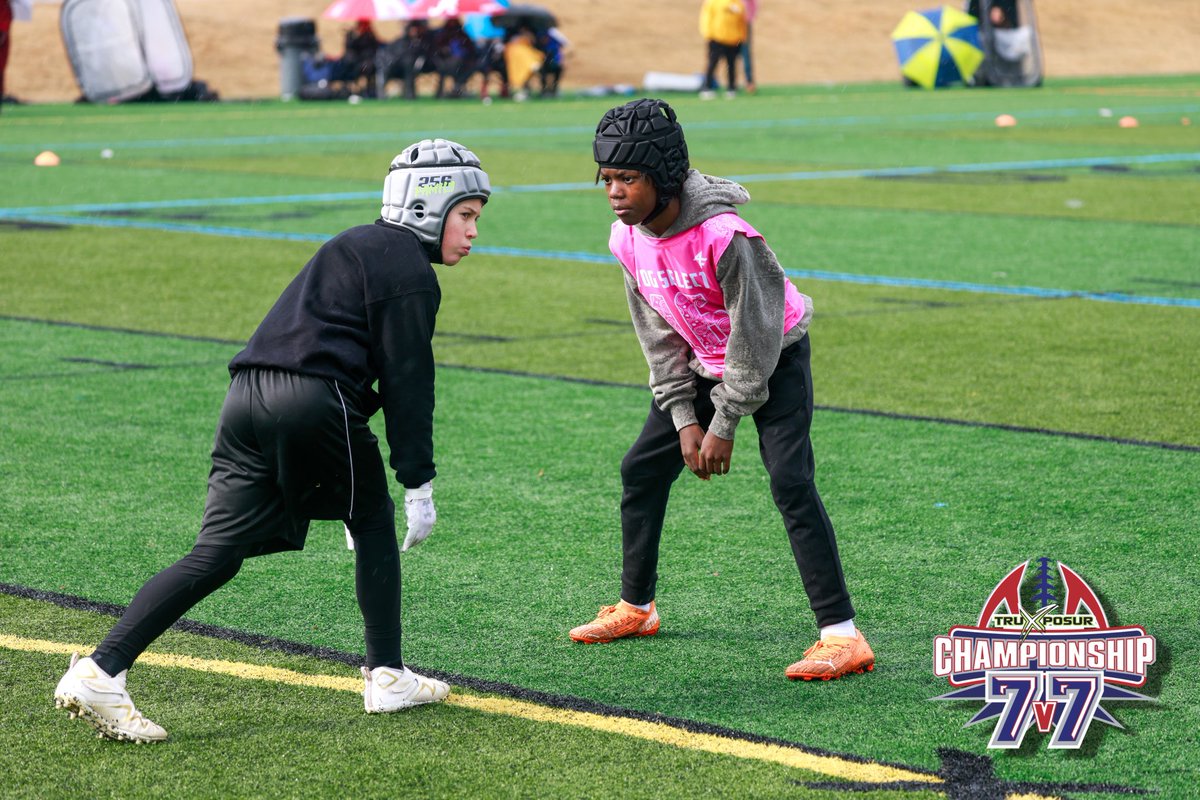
<point>644,135</point>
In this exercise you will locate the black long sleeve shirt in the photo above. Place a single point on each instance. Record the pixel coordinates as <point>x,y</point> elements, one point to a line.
<point>363,310</point>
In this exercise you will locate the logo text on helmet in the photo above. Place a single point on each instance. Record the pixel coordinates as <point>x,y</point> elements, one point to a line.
<point>434,184</point>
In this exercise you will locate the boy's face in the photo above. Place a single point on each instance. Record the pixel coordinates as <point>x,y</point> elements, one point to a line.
<point>631,193</point>
<point>460,229</point>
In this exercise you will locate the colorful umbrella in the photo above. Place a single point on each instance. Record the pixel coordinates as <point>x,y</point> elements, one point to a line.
<point>367,9</point>
<point>535,18</point>
<point>938,46</point>
<point>445,9</point>
<point>481,28</point>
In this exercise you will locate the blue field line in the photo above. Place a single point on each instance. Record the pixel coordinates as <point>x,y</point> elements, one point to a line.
<point>475,134</point>
<point>993,166</point>
<point>988,288</point>
<point>902,172</point>
<point>605,258</point>
<point>28,212</point>
<point>557,255</point>
<point>173,227</point>
<point>195,202</point>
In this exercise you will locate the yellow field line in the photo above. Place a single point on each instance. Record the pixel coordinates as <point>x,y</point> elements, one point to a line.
<point>652,731</point>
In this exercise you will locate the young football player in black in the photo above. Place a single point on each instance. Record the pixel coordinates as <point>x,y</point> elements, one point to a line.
<point>293,442</point>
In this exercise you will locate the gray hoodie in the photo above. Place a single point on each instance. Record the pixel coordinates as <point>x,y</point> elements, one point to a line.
<point>752,282</point>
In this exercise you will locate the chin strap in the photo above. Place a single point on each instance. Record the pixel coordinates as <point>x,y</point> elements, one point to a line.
<point>659,207</point>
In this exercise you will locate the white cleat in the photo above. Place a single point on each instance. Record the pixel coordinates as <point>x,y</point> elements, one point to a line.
<point>100,700</point>
<point>388,689</point>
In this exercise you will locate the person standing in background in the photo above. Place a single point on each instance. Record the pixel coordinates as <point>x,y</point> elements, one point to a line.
<point>747,55</point>
<point>10,10</point>
<point>723,26</point>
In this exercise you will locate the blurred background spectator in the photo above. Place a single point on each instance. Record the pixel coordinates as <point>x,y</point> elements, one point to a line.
<point>455,57</point>
<point>747,55</point>
<point>357,62</point>
<point>553,47</point>
<point>1001,13</point>
<point>491,62</point>
<point>10,10</point>
<point>723,26</point>
<point>407,58</point>
<point>523,61</point>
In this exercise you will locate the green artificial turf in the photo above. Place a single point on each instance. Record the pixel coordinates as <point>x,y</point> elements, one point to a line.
<point>235,737</point>
<point>527,546</point>
<point>129,282</point>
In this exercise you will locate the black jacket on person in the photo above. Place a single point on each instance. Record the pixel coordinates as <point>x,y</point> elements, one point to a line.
<point>363,310</point>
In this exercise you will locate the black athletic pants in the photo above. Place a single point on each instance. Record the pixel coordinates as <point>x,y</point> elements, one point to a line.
<point>288,448</point>
<point>170,594</point>
<point>717,53</point>
<point>655,461</point>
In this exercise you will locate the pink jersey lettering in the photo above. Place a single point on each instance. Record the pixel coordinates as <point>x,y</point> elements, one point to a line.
<point>678,277</point>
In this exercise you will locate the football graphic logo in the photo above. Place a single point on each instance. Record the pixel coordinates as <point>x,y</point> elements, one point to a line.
<point>1051,668</point>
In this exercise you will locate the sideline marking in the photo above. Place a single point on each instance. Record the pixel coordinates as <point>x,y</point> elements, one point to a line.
<point>604,258</point>
<point>991,288</point>
<point>493,133</point>
<point>867,412</point>
<point>641,729</point>
<point>30,212</point>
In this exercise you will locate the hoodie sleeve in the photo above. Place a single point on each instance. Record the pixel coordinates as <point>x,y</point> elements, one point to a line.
<point>667,353</point>
<point>402,315</point>
<point>752,281</point>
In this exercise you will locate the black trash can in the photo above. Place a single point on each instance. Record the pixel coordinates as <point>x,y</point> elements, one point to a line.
<point>297,36</point>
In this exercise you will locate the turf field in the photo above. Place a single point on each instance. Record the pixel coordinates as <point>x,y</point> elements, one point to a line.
<point>1004,353</point>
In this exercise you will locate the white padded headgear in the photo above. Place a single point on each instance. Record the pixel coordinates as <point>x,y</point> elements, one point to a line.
<point>427,180</point>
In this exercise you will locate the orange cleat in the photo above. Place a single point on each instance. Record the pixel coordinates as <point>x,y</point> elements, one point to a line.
<point>617,622</point>
<point>834,657</point>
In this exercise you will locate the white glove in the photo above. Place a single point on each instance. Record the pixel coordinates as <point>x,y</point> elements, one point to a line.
<point>418,507</point>
<point>349,538</point>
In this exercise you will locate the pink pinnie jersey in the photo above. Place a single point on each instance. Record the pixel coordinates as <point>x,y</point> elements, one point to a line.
<point>678,277</point>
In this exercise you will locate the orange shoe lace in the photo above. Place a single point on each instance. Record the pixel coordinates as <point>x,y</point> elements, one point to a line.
<point>824,650</point>
<point>610,621</point>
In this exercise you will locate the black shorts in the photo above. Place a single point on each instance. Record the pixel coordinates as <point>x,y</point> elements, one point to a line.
<point>289,449</point>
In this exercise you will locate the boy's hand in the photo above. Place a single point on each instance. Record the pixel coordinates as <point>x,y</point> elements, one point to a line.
<point>691,439</point>
<point>716,454</point>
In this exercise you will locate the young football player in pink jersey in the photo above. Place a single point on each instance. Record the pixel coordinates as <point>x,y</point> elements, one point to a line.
<point>725,335</point>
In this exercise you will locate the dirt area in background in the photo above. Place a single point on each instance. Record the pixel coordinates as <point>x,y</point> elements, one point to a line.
<point>618,41</point>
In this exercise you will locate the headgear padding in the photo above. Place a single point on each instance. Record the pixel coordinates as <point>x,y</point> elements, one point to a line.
<point>644,135</point>
<point>427,180</point>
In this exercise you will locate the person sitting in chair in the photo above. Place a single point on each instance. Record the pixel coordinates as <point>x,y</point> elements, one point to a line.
<point>553,45</point>
<point>455,57</point>
<point>406,59</point>
<point>358,57</point>
<point>1010,41</point>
